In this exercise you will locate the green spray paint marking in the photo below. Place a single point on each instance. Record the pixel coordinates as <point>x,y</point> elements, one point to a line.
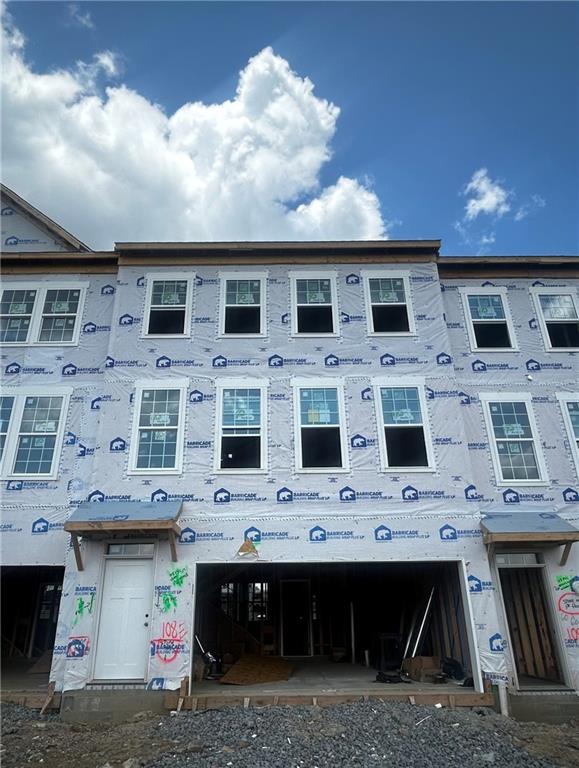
<point>178,576</point>
<point>563,582</point>
<point>83,605</point>
<point>168,601</point>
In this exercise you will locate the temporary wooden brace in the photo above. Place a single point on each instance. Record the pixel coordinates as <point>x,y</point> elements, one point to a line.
<point>49,697</point>
<point>183,691</point>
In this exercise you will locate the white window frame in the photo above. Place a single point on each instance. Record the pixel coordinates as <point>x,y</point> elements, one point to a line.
<point>406,382</point>
<point>11,444</point>
<point>41,289</point>
<point>375,274</point>
<point>490,290</point>
<point>330,275</point>
<point>299,383</point>
<point>150,278</point>
<point>166,383</point>
<point>262,277</point>
<point>242,383</point>
<point>537,291</point>
<point>513,397</point>
<point>564,398</point>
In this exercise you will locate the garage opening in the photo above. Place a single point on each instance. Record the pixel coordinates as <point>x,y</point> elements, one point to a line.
<point>30,603</point>
<point>337,624</point>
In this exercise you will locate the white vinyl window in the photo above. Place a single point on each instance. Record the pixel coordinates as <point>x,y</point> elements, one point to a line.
<point>41,314</point>
<point>314,304</point>
<point>388,304</point>
<point>31,431</point>
<point>513,436</point>
<point>243,304</point>
<point>570,409</point>
<point>168,305</point>
<point>404,433</point>
<point>241,426</point>
<point>158,427</point>
<point>558,315</point>
<point>320,431</point>
<point>488,319</point>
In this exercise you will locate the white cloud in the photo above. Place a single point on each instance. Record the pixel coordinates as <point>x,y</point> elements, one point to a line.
<point>78,17</point>
<point>113,166</point>
<point>487,196</point>
<point>531,206</point>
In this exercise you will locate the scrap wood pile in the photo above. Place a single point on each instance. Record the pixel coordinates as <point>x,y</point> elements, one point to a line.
<point>251,670</point>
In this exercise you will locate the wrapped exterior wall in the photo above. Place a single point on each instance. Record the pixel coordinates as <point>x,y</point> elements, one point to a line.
<point>427,515</point>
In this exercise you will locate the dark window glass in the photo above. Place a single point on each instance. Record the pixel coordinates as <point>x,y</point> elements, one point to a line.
<point>563,335</point>
<point>163,321</point>
<point>492,335</point>
<point>321,447</point>
<point>391,318</point>
<point>242,319</point>
<point>406,447</point>
<point>314,319</point>
<point>241,452</point>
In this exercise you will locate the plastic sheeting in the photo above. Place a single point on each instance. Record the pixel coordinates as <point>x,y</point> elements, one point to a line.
<point>112,355</point>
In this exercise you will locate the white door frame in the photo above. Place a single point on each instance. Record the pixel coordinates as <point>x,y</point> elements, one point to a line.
<point>101,582</point>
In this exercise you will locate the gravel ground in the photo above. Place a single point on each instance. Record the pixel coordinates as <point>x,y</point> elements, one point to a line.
<point>360,735</point>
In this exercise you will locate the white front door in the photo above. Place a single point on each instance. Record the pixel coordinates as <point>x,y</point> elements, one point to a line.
<point>123,638</point>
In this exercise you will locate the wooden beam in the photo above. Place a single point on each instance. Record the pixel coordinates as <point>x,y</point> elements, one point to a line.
<point>49,697</point>
<point>173,545</point>
<point>77,553</point>
<point>120,525</point>
<point>538,537</point>
<point>565,553</point>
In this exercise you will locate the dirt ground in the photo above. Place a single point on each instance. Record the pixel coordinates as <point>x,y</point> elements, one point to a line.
<point>218,738</point>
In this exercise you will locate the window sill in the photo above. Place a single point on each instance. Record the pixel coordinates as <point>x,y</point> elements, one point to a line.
<point>392,334</point>
<point>165,336</point>
<point>523,483</point>
<point>40,343</point>
<point>154,472</point>
<point>27,478</point>
<point>242,335</point>
<point>323,470</point>
<point>245,472</point>
<point>408,470</point>
<point>494,350</point>
<point>314,335</point>
<point>561,349</point>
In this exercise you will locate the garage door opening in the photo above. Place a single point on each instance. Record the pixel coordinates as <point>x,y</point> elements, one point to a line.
<point>338,625</point>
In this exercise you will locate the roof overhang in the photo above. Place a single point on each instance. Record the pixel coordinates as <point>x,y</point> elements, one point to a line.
<point>95,519</point>
<point>536,529</point>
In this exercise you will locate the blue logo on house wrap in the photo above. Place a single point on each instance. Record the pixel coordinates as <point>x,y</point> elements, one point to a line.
<point>159,495</point>
<point>163,362</point>
<point>196,396</point>
<point>13,368</point>
<point>477,586</point>
<point>570,495</point>
<point>89,328</point>
<point>533,324</point>
<point>478,366</point>
<point>496,643</point>
<point>14,485</point>
<point>284,495</point>
<point>448,533</point>
<point>156,684</point>
<point>219,362</point>
<point>464,399</point>
<point>96,496</point>
<point>352,279</point>
<point>187,536</point>
<point>318,535</point>
<point>70,369</point>
<point>443,359</point>
<point>126,320</point>
<point>69,438</point>
<point>382,533</point>
<point>471,493</point>
<point>347,494</point>
<point>533,365</point>
<point>331,360</point>
<point>366,394</point>
<point>7,211</point>
<point>359,441</point>
<point>40,526</point>
<point>387,359</point>
<point>140,281</point>
<point>84,450</point>
<point>511,497</point>
<point>275,361</point>
<point>409,493</point>
<point>107,290</point>
<point>117,445</point>
<point>222,496</point>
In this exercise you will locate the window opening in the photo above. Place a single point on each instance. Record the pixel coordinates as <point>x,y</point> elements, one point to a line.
<point>321,444</point>
<point>489,322</point>
<point>314,306</point>
<point>561,320</point>
<point>242,307</point>
<point>168,308</point>
<point>403,427</point>
<point>388,303</point>
<point>241,429</point>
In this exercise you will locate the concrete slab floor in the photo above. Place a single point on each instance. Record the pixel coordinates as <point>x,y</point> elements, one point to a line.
<point>320,676</point>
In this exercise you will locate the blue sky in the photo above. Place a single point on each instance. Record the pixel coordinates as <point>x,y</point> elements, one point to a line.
<point>429,95</point>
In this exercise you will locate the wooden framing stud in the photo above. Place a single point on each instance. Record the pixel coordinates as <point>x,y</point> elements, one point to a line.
<point>77,552</point>
<point>173,545</point>
<point>49,697</point>
<point>565,553</point>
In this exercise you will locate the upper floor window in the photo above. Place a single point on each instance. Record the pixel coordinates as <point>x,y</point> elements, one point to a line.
<point>403,429</point>
<point>488,319</point>
<point>388,306</point>
<point>243,302</point>
<point>515,447</point>
<point>31,432</point>
<point>241,426</point>
<point>570,409</point>
<point>168,305</point>
<point>41,314</point>
<point>158,427</point>
<point>320,427</point>
<point>558,314</point>
<point>314,304</point>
